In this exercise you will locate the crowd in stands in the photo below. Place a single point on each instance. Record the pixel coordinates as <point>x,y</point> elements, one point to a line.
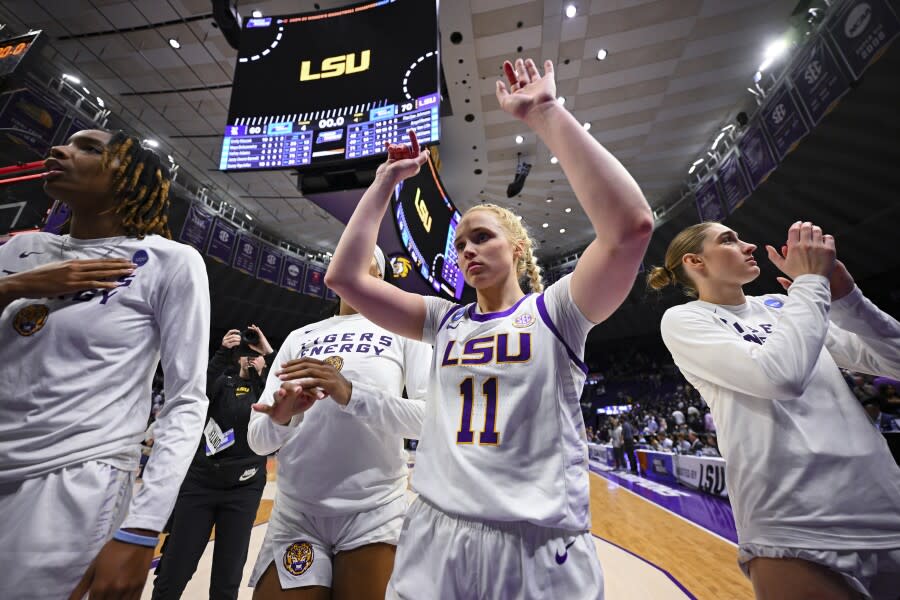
<point>645,394</point>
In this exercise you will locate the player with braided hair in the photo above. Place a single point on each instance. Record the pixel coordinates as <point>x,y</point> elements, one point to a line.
<point>502,468</point>
<point>86,318</point>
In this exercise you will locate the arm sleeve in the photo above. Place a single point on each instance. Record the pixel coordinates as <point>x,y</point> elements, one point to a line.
<point>393,414</point>
<point>864,338</point>
<point>779,369</point>
<point>183,314</point>
<point>217,365</point>
<point>437,311</point>
<point>265,436</point>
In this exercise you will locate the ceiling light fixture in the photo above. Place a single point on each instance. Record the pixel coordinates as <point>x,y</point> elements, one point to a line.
<point>602,54</point>
<point>587,126</point>
<point>571,11</point>
<point>545,225</point>
<point>773,51</point>
<point>561,100</point>
<point>257,14</point>
<point>86,91</point>
<point>249,218</point>
<point>174,43</point>
<point>553,160</point>
<point>519,139</point>
<point>151,143</point>
<point>71,78</point>
<point>563,230</point>
<point>568,210</point>
<point>100,102</point>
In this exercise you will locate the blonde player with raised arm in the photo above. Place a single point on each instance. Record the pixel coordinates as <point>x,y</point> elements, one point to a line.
<point>342,474</point>
<point>502,465</point>
<point>813,486</point>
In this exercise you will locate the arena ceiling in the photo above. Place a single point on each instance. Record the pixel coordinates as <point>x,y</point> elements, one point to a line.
<point>675,74</point>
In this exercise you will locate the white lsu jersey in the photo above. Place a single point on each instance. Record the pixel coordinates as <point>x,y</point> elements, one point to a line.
<point>503,438</point>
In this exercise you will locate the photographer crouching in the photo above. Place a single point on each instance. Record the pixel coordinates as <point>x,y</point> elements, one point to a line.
<point>226,479</point>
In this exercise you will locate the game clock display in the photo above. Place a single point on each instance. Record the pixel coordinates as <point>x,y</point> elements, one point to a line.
<point>335,85</point>
<point>13,50</point>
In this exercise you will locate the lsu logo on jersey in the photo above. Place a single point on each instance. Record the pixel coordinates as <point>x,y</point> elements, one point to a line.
<point>298,558</point>
<point>30,319</point>
<point>487,350</point>
<point>241,390</point>
<point>335,66</point>
<point>335,361</point>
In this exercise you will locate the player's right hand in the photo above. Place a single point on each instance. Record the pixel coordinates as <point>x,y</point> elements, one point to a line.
<point>809,252</point>
<point>289,400</point>
<point>404,160</point>
<point>54,279</point>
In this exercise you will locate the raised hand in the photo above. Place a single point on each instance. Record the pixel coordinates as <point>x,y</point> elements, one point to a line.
<point>289,400</point>
<point>231,339</point>
<point>54,279</point>
<point>263,347</point>
<point>528,89</point>
<point>808,252</point>
<point>313,373</point>
<point>404,160</point>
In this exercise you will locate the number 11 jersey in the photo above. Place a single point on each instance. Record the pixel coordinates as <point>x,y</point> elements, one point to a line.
<point>503,437</point>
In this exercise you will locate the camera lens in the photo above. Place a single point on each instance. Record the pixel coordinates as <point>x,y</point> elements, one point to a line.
<point>248,336</point>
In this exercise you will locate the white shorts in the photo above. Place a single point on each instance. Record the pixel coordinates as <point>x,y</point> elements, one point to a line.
<point>873,573</point>
<point>54,525</point>
<point>303,546</point>
<point>445,557</point>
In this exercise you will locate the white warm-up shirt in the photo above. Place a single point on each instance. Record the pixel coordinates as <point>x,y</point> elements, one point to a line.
<point>504,438</point>
<point>76,370</point>
<point>804,466</point>
<point>335,460</point>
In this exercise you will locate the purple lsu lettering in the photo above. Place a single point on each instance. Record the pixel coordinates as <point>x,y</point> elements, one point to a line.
<point>105,295</point>
<point>347,342</point>
<point>487,350</point>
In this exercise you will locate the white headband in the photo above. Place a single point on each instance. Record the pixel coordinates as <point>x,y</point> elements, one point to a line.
<point>379,258</point>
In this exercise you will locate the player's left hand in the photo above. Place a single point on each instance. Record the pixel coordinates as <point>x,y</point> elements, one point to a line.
<point>841,281</point>
<point>118,573</point>
<point>313,373</point>
<point>528,90</point>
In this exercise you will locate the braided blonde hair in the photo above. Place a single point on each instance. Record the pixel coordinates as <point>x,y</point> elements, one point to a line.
<point>518,235</point>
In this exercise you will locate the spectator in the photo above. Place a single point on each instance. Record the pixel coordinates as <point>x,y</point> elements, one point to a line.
<point>695,444</point>
<point>665,442</point>
<point>628,443</point>
<point>678,416</point>
<point>883,422</point>
<point>712,446</point>
<point>708,424</point>
<point>617,439</point>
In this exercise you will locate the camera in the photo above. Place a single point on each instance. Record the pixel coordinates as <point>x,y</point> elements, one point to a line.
<point>248,337</point>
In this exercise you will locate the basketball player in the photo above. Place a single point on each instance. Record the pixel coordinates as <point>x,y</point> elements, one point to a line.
<point>342,473</point>
<point>85,319</point>
<point>815,492</point>
<point>502,465</point>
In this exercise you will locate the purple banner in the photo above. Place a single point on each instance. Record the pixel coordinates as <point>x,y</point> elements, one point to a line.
<point>314,284</point>
<point>270,261</point>
<point>709,206</point>
<point>819,80</point>
<point>247,254</point>
<point>756,155</point>
<point>330,295</point>
<point>734,185</point>
<point>784,122</point>
<point>862,31</point>
<point>221,242</point>
<point>196,227</point>
<point>35,117</point>
<point>292,274</point>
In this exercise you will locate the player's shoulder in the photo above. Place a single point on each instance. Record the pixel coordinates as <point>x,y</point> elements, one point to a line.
<point>687,312</point>
<point>37,241</point>
<point>174,253</point>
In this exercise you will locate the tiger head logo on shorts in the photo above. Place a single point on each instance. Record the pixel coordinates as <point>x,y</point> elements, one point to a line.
<point>335,361</point>
<point>30,319</point>
<point>298,558</point>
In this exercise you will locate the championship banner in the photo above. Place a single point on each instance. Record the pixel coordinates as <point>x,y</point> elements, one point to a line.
<point>247,254</point>
<point>270,261</point>
<point>34,117</point>
<point>784,122</point>
<point>197,225</point>
<point>756,155</point>
<point>314,283</point>
<point>735,188</point>
<point>292,274</point>
<point>659,466</point>
<point>704,473</point>
<point>819,80</point>
<point>862,30</point>
<point>221,242</point>
<point>709,205</point>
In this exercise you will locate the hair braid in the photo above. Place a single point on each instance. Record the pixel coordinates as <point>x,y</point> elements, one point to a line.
<point>532,270</point>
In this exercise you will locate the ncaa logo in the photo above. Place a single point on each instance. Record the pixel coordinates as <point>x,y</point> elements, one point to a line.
<point>140,258</point>
<point>773,302</point>
<point>858,20</point>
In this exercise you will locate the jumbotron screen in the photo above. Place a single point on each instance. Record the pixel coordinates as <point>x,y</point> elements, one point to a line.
<point>426,221</point>
<point>334,85</point>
